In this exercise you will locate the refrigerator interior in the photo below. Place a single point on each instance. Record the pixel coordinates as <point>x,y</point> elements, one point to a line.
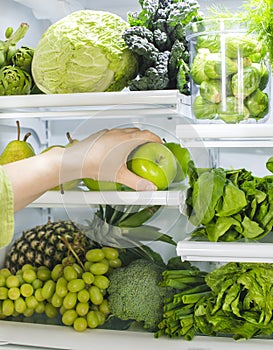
<point>48,124</point>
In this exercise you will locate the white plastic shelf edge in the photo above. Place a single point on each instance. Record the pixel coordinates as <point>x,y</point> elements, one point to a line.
<point>226,135</point>
<point>82,198</point>
<point>225,251</point>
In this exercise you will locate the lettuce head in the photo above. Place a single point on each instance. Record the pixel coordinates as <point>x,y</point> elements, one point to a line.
<point>84,52</point>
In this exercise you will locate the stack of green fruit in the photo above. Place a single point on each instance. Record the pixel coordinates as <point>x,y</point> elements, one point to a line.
<point>15,64</point>
<point>74,289</point>
<point>230,78</point>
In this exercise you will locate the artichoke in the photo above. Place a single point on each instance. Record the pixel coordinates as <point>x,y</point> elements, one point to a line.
<point>23,58</point>
<point>14,81</point>
<point>203,109</point>
<point>257,104</point>
<point>8,46</point>
<point>245,82</point>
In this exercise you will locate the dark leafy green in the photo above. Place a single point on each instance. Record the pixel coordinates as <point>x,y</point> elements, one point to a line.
<point>241,301</point>
<point>229,205</point>
<point>157,36</point>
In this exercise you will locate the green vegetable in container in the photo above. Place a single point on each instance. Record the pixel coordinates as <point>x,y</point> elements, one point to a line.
<point>257,104</point>
<point>232,110</point>
<point>210,42</point>
<point>217,66</point>
<point>14,81</point>
<point>245,82</point>
<point>203,109</point>
<point>197,69</point>
<point>84,52</point>
<point>264,74</point>
<point>241,46</point>
<point>210,90</point>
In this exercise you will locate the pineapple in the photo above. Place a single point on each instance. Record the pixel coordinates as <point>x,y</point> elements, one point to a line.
<point>47,245</point>
<point>118,226</point>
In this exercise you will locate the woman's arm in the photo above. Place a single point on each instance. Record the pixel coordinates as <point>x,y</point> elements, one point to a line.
<point>101,156</point>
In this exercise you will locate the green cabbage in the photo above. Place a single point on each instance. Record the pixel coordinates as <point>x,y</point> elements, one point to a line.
<point>84,52</point>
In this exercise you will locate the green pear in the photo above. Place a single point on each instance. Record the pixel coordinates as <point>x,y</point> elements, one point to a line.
<point>182,156</point>
<point>69,185</point>
<point>17,149</point>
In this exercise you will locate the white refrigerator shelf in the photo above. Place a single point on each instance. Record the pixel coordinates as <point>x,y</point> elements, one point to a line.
<point>64,338</point>
<point>88,104</point>
<point>225,251</point>
<point>225,135</point>
<point>85,198</point>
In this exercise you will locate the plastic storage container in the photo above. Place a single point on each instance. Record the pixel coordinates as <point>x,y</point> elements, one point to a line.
<point>229,73</point>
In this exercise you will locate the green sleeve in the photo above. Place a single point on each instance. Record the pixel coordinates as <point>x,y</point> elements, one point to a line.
<point>6,209</point>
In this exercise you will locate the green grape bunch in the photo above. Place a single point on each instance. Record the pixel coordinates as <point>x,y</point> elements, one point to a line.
<point>74,290</point>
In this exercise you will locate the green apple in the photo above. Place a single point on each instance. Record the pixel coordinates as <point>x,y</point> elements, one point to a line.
<point>154,162</point>
<point>95,185</point>
<point>182,156</point>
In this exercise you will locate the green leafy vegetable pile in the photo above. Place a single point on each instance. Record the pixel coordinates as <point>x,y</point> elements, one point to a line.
<point>15,63</point>
<point>234,300</point>
<point>241,301</point>
<point>229,205</point>
<point>157,37</point>
<point>231,76</point>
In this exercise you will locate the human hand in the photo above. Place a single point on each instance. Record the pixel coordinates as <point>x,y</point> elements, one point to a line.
<point>103,156</point>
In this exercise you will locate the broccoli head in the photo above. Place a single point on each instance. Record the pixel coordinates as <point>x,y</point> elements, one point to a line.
<point>134,293</point>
